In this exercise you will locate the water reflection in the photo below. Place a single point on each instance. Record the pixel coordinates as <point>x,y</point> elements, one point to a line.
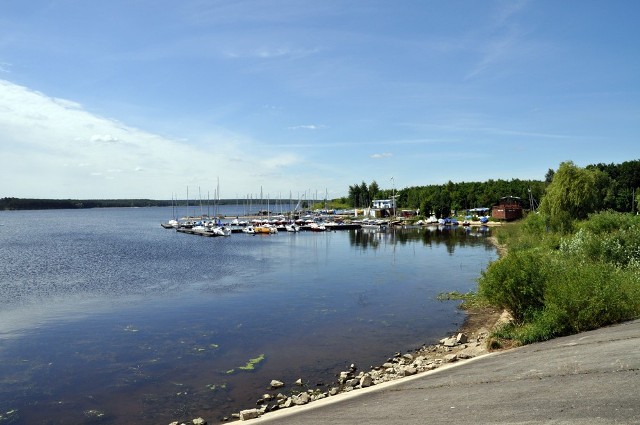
<point>451,237</point>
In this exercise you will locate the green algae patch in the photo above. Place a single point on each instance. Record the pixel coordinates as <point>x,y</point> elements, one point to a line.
<point>252,363</point>
<point>217,387</point>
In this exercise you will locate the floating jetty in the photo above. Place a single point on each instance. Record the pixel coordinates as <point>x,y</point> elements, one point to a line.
<point>224,226</point>
<point>200,232</point>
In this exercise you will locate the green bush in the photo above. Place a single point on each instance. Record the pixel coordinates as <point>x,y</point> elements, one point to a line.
<point>556,284</point>
<point>609,221</point>
<point>516,283</point>
<point>588,295</point>
<point>535,224</point>
<point>546,324</point>
<point>600,241</point>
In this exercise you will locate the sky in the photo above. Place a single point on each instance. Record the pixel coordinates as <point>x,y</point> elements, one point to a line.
<point>149,99</point>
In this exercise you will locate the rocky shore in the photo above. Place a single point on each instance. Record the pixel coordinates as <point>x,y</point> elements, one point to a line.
<point>471,341</point>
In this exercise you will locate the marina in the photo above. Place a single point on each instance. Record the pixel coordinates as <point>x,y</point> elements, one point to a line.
<point>318,221</point>
<point>122,320</point>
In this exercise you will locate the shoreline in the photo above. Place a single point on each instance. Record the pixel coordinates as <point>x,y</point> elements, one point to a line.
<point>470,341</point>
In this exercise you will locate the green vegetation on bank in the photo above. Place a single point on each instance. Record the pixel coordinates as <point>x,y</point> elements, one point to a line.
<point>569,268</point>
<point>610,186</point>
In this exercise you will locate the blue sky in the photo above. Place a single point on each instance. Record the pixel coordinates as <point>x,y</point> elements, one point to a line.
<point>142,99</point>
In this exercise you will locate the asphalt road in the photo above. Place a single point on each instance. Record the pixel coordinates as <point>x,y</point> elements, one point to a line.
<point>589,378</point>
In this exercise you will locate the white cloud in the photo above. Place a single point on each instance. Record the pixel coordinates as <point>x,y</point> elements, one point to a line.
<point>51,147</point>
<point>381,155</point>
<point>306,127</point>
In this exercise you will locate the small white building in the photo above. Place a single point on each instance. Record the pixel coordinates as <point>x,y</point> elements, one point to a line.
<point>384,203</point>
<point>383,208</point>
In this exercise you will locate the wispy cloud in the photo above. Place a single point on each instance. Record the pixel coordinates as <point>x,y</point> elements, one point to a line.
<point>306,127</point>
<point>267,52</point>
<point>499,40</point>
<point>381,155</point>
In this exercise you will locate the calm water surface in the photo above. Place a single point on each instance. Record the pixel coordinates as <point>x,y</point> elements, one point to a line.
<point>105,317</point>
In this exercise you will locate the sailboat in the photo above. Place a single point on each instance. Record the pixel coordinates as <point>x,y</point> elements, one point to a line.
<point>173,223</point>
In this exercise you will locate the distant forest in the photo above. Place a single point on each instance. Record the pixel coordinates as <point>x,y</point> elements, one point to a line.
<point>50,204</point>
<point>621,185</point>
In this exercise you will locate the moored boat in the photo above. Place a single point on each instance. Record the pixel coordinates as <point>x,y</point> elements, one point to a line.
<point>249,230</point>
<point>292,228</point>
<point>171,224</point>
<point>265,229</point>
<point>317,227</point>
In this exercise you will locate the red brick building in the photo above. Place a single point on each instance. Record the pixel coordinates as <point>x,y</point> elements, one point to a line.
<point>508,208</point>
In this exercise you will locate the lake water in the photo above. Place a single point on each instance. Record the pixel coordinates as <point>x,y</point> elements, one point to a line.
<point>106,317</point>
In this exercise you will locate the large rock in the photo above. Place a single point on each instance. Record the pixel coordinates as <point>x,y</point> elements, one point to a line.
<point>300,399</point>
<point>408,371</point>
<point>276,384</point>
<point>366,381</point>
<point>462,338</point>
<point>450,342</point>
<point>449,358</point>
<point>352,382</point>
<point>249,414</point>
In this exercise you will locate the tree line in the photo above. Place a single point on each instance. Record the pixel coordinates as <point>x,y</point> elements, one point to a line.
<point>610,187</point>
<point>51,204</point>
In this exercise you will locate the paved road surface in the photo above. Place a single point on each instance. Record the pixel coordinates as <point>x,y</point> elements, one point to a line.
<point>589,378</point>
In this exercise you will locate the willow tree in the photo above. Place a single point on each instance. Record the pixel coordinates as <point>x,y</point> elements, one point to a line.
<point>573,193</point>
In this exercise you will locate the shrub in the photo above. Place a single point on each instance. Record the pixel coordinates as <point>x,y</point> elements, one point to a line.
<point>600,241</point>
<point>516,283</point>
<point>545,324</point>
<point>609,221</point>
<point>585,295</point>
<point>556,285</point>
<point>535,223</point>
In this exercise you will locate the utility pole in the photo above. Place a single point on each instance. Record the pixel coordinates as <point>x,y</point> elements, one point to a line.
<point>393,196</point>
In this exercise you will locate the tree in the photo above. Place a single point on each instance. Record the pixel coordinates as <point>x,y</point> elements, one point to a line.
<point>573,193</point>
<point>354,195</point>
<point>365,201</point>
<point>548,178</point>
<point>374,190</point>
